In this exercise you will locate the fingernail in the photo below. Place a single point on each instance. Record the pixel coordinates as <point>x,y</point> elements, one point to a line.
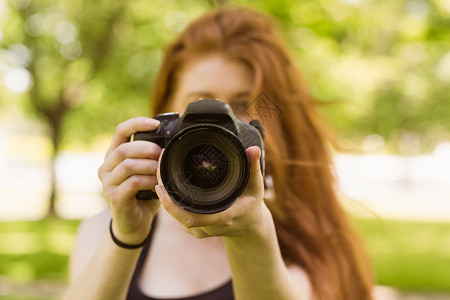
<point>158,189</point>
<point>259,152</point>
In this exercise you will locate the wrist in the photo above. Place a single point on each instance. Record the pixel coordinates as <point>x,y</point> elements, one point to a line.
<point>128,242</point>
<point>259,227</point>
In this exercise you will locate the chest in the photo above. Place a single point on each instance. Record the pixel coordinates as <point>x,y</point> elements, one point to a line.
<point>181,265</point>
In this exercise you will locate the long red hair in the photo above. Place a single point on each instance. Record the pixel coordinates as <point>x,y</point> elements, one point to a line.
<point>312,228</point>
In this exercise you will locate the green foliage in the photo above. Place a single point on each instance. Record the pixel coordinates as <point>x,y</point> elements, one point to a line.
<point>386,62</point>
<point>94,59</point>
<point>383,66</point>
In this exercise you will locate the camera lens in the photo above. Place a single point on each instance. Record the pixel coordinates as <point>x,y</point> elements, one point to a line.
<point>205,168</point>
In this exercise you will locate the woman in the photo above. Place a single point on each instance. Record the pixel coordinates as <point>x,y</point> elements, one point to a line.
<point>286,237</point>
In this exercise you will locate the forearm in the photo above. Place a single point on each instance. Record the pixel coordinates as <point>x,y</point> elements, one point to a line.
<point>258,269</point>
<point>108,274</point>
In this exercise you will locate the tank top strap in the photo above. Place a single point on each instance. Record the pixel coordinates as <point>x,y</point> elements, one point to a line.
<point>134,293</point>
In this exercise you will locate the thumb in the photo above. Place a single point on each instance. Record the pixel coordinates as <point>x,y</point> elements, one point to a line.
<point>255,183</point>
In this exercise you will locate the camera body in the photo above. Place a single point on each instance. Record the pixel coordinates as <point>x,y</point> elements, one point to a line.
<point>204,166</point>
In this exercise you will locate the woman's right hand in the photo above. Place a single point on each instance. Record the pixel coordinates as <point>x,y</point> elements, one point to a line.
<point>128,168</point>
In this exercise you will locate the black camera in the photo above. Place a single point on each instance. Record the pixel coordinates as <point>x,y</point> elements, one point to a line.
<point>204,167</point>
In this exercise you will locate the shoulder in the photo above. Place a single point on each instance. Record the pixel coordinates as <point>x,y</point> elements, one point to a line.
<point>89,236</point>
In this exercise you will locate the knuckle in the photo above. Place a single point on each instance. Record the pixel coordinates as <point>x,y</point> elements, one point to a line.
<point>107,186</point>
<point>199,233</point>
<point>113,196</point>
<point>109,192</point>
<point>128,165</point>
<point>192,222</point>
<point>135,181</point>
<point>100,172</point>
<point>122,150</point>
<point>121,127</point>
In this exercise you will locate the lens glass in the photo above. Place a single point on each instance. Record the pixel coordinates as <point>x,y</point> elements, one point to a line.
<point>205,168</point>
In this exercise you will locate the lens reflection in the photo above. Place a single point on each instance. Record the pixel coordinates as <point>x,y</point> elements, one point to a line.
<point>205,168</point>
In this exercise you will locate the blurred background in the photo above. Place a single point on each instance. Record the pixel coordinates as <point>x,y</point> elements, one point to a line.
<point>70,71</point>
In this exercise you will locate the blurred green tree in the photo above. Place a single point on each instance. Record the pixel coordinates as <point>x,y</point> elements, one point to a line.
<point>92,62</point>
<point>387,62</point>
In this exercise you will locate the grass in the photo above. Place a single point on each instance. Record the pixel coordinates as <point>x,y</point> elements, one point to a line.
<point>408,255</point>
<point>33,250</point>
<point>412,256</point>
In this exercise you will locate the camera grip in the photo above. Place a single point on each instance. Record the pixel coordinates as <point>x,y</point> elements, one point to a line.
<point>153,136</point>
<point>147,195</point>
<point>162,134</point>
<point>156,137</point>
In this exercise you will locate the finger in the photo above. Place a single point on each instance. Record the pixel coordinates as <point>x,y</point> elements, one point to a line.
<point>164,197</point>
<point>132,166</point>
<point>124,195</point>
<point>186,218</point>
<point>158,170</point>
<point>126,129</point>
<point>255,183</point>
<point>137,149</point>
<point>171,207</point>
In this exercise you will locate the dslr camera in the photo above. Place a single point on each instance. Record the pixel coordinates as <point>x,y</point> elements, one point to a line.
<point>204,166</point>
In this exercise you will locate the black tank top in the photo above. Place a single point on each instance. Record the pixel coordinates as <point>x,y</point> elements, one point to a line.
<point>224,292</point>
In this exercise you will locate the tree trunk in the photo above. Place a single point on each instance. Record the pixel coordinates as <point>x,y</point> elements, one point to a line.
<point>55,117</point>
<point>54,112</point>
<point>51,211</point>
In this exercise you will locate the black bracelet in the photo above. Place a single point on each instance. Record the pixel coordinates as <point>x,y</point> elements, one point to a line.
<point>122,244</point>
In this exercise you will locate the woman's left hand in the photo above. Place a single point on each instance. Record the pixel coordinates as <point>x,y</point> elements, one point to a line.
<point>244,216</point>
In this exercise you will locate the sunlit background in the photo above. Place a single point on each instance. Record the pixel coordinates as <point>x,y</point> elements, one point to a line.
<point>70,71</point>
